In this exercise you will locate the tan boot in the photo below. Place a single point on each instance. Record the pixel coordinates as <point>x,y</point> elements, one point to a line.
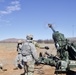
<point>16,68</point>
<point>4,69</point>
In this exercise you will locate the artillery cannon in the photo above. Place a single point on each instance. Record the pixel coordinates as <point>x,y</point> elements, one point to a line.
<point>63,44</point>
<point>66,51</point>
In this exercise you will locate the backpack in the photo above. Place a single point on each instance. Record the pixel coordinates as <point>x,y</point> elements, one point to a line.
<point>26,49</point>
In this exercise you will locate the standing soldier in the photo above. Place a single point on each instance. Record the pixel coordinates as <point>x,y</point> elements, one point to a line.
<point>18,60</point>
<point>29,55</point>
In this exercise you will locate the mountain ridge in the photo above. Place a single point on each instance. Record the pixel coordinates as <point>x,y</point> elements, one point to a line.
<point>15,40</point>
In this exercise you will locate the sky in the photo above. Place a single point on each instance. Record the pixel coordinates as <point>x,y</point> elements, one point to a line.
<point>19,18</point>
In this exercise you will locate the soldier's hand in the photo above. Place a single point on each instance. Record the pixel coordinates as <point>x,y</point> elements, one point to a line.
<point>37,63</point>
<point>19,66</point>
<point>46,47</point>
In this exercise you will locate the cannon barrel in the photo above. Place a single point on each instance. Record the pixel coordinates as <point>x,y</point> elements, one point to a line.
<point>50,26</point>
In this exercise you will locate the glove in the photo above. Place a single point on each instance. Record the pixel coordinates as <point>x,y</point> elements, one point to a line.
<point>19,66</point>
<point>37,62</point>
<point>46,47</point>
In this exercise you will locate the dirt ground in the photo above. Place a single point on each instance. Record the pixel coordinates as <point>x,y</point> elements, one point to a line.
<point>7,58</point>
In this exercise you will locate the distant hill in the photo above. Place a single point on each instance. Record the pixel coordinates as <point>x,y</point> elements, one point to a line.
<point>10,40</point>
<point>73,39</point>
<point>14,40</point>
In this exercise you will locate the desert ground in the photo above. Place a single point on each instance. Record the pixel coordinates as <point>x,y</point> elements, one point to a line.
<point>7,58</point>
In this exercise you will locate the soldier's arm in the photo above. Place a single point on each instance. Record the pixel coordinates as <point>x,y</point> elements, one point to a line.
<point>38,46</point>
<point>41,47</point>
<point>34,51</point>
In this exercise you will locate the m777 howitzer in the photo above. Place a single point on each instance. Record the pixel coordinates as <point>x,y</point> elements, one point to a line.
<point>66,51</point>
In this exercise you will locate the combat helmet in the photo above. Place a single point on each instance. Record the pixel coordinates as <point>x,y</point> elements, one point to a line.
<point>29,37</point>
<point>20,41</point>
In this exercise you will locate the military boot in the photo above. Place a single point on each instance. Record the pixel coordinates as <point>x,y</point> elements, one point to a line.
<point>16,68</point>
<point>3,69</point>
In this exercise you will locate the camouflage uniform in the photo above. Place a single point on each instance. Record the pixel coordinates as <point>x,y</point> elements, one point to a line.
<point>18,59</point>
<point>37,45</point>
<point>29,55</point>
<point>40,47</point>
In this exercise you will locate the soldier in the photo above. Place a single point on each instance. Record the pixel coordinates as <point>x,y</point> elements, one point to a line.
<point>18,60</point>
<point>29,55</point>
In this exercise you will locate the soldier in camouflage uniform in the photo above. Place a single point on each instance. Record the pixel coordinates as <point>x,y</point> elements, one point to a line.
<point>29,55</point>
<point>18,60</point>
